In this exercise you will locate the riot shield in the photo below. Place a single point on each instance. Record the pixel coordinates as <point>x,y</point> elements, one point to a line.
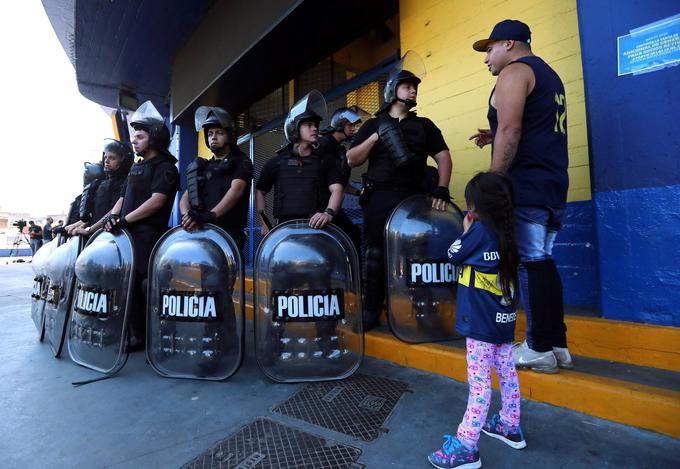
<point>196,305</point>
<point>60,270</point>
<point>40,286</point>
<point>307,304</point>
<point>421,283</point>
<point>104,278</point>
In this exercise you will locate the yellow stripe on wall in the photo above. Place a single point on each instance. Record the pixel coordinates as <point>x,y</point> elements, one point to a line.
<point>455,91</point>
<point>203,151</point>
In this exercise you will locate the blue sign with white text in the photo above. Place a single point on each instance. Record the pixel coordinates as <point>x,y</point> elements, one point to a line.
<point>650,47</point>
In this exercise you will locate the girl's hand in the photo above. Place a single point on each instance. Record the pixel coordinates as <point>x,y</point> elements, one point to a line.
<point>467,222</point>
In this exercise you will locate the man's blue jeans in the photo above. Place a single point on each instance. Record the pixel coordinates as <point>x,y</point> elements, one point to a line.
<point>540,283</point>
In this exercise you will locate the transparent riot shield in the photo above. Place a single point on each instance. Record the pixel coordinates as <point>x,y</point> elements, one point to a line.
<point>421,283</point>
<point>196,305</point>
<point>60,270</point>
<point>40,286</point>
<point>104,278</point>
<point>307,301</point>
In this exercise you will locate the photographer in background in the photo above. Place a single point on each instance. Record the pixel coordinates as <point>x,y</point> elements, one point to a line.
<point>34,237</point>
<point>47,231</point>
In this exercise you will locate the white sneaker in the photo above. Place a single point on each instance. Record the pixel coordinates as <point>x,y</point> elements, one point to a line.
<point>542,362</point>
<point>563,357</point>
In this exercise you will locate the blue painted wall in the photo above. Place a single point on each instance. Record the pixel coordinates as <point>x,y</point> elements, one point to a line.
<point>183,146</point>
<point>575,253</point>
<point>635,165</point>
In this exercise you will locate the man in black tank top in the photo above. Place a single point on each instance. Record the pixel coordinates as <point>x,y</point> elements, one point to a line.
<point>527,116</point>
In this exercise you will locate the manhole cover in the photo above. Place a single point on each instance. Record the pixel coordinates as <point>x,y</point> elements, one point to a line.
<point>268,444</point>
<point>357,406</point>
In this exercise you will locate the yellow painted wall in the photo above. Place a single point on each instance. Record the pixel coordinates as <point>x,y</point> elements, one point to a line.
<point>455,91</point>
<point>203,151</point>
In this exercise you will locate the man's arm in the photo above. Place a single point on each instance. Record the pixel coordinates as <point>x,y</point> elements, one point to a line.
<point>512,88</point>
<point>231,198</point>
<point>444,167</point>
<point>117,207</point>
<point>184,205</point>
<point>259,207</point>
<point>321,219</point>
<point>357,155</point>
<point>150,206</point>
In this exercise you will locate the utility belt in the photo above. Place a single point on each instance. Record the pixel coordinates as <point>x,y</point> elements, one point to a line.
<point>369,186</point>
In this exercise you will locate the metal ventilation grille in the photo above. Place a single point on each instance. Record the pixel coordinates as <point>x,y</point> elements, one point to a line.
<point>357,406</point>
<point>268,444</point>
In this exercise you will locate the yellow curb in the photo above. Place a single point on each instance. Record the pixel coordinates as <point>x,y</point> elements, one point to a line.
<point>607,339</point>
<point>619,401</point>
<point>619,341</point>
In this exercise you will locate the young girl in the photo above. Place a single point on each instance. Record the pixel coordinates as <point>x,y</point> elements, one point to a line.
<point>485,315</point>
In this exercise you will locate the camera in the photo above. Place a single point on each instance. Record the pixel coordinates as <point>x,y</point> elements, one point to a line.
<point>20,224</point>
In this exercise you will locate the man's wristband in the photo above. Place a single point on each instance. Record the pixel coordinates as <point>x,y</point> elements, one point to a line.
<point>330,211</point>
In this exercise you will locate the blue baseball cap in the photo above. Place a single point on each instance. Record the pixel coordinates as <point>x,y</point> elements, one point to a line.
<point>506,30</point>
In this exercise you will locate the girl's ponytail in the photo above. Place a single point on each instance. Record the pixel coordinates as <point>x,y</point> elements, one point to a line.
<point>491,195</point>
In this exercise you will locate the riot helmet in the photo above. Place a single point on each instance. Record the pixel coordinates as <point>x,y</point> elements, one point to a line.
<point>148,119</point>
<point>311,108</point>
<point>344,115</point>
<point>410,69</point>
<point>123,151</point>
<point>212,116</point>
<point>92,172</point>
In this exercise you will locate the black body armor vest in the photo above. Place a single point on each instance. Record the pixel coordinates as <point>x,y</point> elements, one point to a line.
<point>300,184</point>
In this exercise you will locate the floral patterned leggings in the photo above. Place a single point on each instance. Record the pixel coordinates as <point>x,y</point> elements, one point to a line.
<point>480,356</point>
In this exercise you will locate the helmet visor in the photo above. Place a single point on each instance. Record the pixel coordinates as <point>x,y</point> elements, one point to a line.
<point>410,62</point>
<point>313,103</point>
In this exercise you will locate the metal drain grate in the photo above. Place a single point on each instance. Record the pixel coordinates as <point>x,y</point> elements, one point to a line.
<point>357,406</point>
<point>265,443</point>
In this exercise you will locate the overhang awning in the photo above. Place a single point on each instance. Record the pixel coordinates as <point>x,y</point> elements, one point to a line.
<point>120,45</point>
<point>309,32</point>
<point>136,47</point>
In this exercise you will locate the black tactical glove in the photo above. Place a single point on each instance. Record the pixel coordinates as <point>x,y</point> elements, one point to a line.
<point>442,193</point>
<point>202,216</point>
<point>109,219</point>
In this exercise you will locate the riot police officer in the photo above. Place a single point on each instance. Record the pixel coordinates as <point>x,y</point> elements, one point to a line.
<point>341,130</point>
<point>117,158</point>
<point>93,173</point>
<point>301,177</point>
<point>146,202</point>
<point>218,190</point>
<point>396,144</point>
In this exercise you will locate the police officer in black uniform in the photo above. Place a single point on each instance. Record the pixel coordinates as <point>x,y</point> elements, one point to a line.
<point>145,203</point>
<point>396,144</point>
<point>331,142</point>
<point>307,184</point>
<point>93,173</point>
<point>117,158</point>
<point>301,177</point>
<point>218,190</point>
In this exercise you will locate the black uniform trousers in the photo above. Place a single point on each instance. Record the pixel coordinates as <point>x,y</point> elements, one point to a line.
<point>378,207</point>
<point>144,238</point>
<point>353,232</point>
